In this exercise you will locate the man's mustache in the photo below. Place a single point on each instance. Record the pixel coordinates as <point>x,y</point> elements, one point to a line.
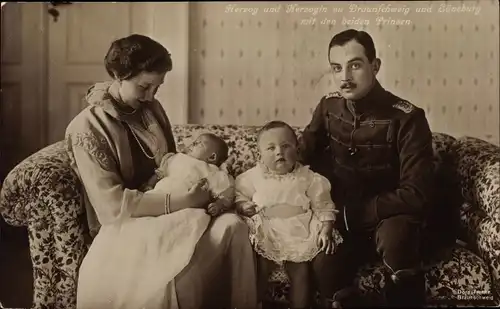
<point>347,85</point>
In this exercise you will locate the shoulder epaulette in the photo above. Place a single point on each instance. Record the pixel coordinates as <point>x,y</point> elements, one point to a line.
<point>334,94</point>
<point>404,106</point>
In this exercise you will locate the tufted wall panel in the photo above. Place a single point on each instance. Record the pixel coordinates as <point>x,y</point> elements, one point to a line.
<point>254,66</point>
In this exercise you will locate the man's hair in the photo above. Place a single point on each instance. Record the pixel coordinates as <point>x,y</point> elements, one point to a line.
<point>277,124</point>
<point>222,146</point>
<point>363,38</point>
<point>129,56</point>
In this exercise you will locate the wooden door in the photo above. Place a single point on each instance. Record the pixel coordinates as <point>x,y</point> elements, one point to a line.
<point>80,38</point>
<point>23,76</point>
<point>77,43</point>
<point>47,65</point>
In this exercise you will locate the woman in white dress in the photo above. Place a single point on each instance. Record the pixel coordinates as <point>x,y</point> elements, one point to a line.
<point>115,145</point>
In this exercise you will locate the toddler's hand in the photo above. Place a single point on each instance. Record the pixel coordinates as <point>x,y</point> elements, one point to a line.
<point>247,209</point>
<point>325,238</point>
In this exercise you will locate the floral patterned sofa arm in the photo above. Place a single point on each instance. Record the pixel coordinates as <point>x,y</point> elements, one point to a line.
<point>43,193</point>
<point>478,168</point>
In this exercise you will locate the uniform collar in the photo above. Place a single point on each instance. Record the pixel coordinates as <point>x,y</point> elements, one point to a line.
<point>372,100</point>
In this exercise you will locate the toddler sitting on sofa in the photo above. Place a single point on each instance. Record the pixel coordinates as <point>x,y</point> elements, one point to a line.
<point>289,212</point>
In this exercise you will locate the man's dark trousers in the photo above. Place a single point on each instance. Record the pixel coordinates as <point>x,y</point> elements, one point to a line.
<point>397,241</point>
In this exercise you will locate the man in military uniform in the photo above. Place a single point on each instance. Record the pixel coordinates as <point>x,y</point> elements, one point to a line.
<point>376,149</point>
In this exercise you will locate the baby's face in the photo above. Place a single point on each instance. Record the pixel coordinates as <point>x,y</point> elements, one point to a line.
<point>203,148</point>
<point>278,150</point>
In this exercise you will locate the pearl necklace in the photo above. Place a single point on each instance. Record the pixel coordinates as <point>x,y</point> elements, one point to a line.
<point>137,139</point>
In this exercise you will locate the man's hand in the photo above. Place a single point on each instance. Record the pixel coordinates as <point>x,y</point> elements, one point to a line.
<point>248,209</point>
<point>325,238</point>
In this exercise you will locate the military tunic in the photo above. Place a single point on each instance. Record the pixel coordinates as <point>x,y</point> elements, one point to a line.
<point>377,152</point>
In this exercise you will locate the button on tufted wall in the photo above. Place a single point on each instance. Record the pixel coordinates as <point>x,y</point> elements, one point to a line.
<point>249,69</point>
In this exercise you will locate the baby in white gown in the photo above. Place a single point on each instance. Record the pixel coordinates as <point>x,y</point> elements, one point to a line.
<point>201,161</point>
<point>289,210</point>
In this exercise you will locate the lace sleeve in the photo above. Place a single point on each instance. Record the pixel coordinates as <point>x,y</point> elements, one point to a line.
<point>321,201</point>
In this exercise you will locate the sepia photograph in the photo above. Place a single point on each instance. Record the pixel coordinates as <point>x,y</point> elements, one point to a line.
<point>250,155</point>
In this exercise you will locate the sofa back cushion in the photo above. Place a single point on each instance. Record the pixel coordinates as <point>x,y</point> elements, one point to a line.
<point>478,171</point>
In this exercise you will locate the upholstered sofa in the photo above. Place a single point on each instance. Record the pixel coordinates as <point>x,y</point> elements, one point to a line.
<point>43,194</point>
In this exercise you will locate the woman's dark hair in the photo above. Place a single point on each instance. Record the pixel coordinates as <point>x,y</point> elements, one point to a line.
<point>129,56</point>
<point>363,38</point>
<point>276,124</point>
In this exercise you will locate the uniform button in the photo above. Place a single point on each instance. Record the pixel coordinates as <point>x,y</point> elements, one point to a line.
<point>372,124</point>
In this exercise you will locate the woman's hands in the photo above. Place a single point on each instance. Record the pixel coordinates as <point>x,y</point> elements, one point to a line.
<point>199,194</point>
<point>325,238</point>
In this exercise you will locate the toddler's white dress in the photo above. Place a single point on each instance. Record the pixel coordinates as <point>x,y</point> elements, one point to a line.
<point>129,260</point>
<point>287,239</point>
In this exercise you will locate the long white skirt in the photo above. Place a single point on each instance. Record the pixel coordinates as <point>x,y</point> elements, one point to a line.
<point>131,265</point>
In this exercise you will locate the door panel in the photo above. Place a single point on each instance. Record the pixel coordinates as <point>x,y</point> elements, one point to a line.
<point>23,76</point>
<point>78,42</point>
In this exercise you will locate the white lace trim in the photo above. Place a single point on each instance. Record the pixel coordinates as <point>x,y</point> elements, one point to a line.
<point>281,254</point>
<point>297,172</point>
